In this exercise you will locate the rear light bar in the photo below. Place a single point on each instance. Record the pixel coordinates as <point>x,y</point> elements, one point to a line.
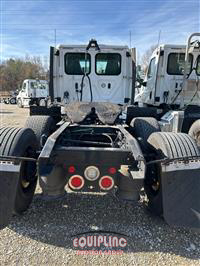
<point>76,182</point>
<point>106,183</point>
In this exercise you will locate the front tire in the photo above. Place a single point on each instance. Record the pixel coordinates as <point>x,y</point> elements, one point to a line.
<point>43,102</point>
<point>19,103</point>
<point>21,142</point>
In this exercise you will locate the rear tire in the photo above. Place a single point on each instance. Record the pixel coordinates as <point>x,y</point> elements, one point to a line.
<point>143,127</point>
<point>12,101</point>
<point>43,102</point>
<point>41,125</point>
<point>21,142</point>
<point>194,131</point>
<point>170,145</point>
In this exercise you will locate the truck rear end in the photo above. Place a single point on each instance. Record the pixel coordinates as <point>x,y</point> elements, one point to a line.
<point>89,147</point>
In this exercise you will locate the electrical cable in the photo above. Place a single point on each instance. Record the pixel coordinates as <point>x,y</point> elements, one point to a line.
<point>192,69</point>
<point>91,43</point>
<point>91,94</point>
<point>197,83</point>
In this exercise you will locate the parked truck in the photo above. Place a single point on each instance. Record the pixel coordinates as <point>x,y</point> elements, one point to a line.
<point>33,91</point>
<point>172,86</point>
<point>92,138</point>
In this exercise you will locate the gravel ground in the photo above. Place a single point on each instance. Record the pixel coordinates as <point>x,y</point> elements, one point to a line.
<point>44,234</point>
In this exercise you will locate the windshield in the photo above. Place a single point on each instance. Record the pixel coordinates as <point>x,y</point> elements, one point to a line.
<point>176,62</point>
<point>37,85</point>
<point>77,63</point>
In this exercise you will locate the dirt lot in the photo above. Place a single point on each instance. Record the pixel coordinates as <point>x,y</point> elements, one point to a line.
<point>44,234</point>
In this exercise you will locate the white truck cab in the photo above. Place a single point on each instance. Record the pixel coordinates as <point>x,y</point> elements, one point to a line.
<point>93,73</point>
<point>170,79</point>
<point>33,91</point>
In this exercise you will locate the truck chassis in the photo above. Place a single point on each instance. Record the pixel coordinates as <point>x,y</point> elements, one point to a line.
<point>94,156</point>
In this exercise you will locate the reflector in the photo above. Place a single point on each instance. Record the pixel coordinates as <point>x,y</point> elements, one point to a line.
<point>71,169</point>
<point>112,170</point>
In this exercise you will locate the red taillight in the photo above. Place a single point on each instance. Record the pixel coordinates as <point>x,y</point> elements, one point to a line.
<point>76,182</point>
<point>106,183</point>
<point>71,169</point>
<point>112,170</point>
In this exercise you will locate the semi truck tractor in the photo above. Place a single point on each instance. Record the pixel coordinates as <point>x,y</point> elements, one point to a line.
<point>91,138</point>
<point>172,86</point>
<point>33,91</point>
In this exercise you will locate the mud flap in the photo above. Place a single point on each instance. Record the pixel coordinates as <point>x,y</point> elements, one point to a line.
<point>9,175</point>
<point>181,194</point>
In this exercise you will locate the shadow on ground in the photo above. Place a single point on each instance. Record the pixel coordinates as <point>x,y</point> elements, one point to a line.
<point>5,112</point>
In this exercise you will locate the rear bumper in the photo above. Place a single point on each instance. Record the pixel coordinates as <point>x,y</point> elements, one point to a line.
<point>54,174</point>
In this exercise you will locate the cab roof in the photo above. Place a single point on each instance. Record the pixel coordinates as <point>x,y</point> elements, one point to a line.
<point>173,46</point>
<point>168,47</point>
<point>34,80</point>
<point>101,46</point>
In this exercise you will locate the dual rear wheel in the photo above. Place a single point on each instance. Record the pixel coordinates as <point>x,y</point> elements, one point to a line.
<point>194,131</point>
<point>21,142</point>
<point>25,142</point>
<point>158,145</point>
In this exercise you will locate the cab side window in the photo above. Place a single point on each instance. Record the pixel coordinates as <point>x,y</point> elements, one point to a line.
<point>152,68</point>
<point>24,86</point>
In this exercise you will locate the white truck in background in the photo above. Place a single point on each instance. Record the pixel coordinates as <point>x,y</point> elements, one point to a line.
<point>33,91</point>
<point>172,84</point>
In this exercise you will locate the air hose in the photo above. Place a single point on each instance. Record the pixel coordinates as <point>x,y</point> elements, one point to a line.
<point>82,85</point>
<point>93,44</point>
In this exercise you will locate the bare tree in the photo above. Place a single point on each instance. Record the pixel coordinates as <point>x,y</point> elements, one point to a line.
<point>146,58</point>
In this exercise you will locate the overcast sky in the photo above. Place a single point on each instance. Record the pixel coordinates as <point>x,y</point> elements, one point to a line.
<point>27,27</point>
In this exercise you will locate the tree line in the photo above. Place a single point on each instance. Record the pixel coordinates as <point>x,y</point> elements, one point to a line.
<point>14,71</point>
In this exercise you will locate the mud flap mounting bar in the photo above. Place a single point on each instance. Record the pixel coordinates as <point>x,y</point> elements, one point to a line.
<point>9,176</point>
